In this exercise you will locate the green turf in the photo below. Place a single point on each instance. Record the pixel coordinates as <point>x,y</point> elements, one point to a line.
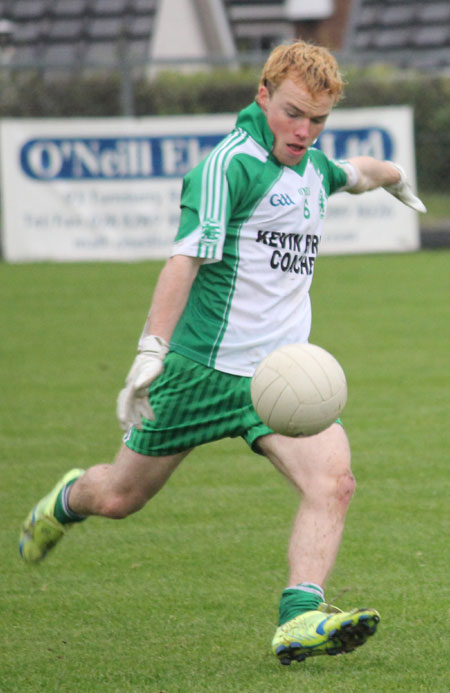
<point>183,596</point>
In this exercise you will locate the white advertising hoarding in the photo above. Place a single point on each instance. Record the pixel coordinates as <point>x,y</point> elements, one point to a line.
<point>374,221</point>
<point>108,189</point>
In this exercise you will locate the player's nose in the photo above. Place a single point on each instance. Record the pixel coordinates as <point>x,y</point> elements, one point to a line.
<point>303,128</point>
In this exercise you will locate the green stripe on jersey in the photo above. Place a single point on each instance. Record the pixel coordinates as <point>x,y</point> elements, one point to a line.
<point>212,293</point>
<point>214,194</point>
<point>234,248</point>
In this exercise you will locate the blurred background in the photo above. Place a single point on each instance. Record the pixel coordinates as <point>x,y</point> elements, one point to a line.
<point>72,58</point>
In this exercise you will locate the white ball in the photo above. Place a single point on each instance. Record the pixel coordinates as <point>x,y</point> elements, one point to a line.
<point>299,390</point>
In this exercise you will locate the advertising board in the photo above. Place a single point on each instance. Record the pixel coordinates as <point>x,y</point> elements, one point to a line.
<point>108,189</point>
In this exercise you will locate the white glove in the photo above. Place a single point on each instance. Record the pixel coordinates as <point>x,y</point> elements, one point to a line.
<point>132,403</point>
<point>403,192</point>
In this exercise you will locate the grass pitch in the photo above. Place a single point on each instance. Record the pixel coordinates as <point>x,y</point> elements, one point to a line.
<point>182,597</point>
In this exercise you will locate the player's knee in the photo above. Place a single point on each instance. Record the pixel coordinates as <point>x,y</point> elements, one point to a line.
<point>345,488</point>
<point>335,486</point>
<point>339,482</point>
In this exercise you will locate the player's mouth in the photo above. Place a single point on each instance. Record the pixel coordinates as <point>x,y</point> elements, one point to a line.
<point>296,149</point>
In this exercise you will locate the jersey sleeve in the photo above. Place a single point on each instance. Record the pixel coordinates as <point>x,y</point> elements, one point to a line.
<point>351,174</point>
<point>202,227</point>
<point>207,201</point>
<point>337,177</point>
<point>334,176</point>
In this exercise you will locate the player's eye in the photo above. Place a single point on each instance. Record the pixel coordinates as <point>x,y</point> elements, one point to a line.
<point>293,113</point>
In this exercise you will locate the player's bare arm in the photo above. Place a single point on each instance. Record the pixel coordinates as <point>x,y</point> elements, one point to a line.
<point>169,299</point>
<point>170,295</point>
<point>372,173</point>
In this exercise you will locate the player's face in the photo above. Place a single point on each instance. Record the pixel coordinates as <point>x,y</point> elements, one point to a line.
<point>295,117</point>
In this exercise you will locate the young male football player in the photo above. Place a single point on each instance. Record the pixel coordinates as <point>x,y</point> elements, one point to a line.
<point>235,288</point>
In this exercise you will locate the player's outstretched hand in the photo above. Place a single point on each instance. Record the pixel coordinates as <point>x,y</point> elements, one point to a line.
<point>403,192</point>
<point>132,403</point>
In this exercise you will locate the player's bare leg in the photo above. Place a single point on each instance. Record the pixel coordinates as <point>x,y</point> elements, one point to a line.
<point>124,487</point>
<point>112,490</point>
<point>319,467</point>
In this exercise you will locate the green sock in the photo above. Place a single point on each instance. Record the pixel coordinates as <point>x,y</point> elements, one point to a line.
<point>298,599</point>
<point>62,511</point>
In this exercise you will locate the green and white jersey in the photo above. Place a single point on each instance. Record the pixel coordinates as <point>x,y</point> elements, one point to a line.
<point>258,225</point>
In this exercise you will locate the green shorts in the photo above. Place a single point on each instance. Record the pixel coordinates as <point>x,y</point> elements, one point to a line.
<point>194,404</point>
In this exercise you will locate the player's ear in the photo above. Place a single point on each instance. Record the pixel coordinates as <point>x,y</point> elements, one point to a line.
<point>263,97</point>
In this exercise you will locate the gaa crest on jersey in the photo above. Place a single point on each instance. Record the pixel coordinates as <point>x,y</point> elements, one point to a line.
<point>281,200</point>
